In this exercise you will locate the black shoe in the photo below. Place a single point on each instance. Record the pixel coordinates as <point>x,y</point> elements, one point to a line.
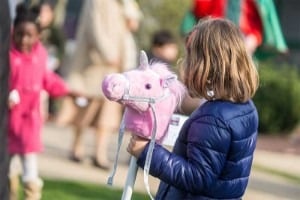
<point>76,159</point>
<point>96,163</point>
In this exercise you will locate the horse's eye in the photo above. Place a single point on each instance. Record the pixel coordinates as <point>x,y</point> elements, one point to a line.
<point>148,86</point>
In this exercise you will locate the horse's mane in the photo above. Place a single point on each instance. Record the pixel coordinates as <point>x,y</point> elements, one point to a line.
<point>175,86</point>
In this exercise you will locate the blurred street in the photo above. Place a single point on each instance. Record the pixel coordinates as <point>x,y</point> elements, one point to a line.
<point>264,185</point>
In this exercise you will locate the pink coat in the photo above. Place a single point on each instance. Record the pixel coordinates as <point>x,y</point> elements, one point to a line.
<point>29,76</point>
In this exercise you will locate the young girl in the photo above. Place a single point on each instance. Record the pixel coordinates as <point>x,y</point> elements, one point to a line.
<point>213,154</point>
<point>28,77</point>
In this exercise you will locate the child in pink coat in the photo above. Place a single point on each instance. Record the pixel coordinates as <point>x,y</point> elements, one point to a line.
<point>28,77</point>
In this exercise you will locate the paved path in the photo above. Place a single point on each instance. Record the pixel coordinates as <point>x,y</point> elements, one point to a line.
<point>54,163</point>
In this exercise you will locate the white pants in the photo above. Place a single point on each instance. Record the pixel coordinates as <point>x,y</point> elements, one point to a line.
<point>29,166</point>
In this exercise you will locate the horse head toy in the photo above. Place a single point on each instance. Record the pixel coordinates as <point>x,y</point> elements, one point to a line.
<point>140,89</point>
<point>150,93</point>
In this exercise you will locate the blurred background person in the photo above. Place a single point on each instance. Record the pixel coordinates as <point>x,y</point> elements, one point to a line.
<point>52,37</point>
<point>164,47</point>
<point>71,18</point>
<point>105,45</point>
<point>28,77</point>
<point>72,11</point>
<point>133,16</point>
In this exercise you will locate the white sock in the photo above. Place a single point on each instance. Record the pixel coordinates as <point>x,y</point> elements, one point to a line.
<point>30,167</point>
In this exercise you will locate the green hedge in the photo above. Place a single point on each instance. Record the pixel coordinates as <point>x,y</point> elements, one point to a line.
<point>278,97</point>
<point>160,14</point>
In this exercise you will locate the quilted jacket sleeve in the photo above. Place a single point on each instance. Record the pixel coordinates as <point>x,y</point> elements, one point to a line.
<point>206,145</point>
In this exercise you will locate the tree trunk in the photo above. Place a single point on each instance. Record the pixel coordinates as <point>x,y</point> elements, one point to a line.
<point>4,75</point>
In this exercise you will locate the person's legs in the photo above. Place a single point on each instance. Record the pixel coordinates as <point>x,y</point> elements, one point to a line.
<point>108,122</point>
<point>70,114</point>
<point>30,167</point>
<point>77,147</point>
<point>67,112</point>
<point>101,154</point>
<point>32,182</point>
<point>83,120</point>
<point>14,172</point>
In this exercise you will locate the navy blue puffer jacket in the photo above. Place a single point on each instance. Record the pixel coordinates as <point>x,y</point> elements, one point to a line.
<point>212,156</point>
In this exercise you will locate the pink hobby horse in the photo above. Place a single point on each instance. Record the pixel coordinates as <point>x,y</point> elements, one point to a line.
<point>142,88</point>
<point>150,94</point>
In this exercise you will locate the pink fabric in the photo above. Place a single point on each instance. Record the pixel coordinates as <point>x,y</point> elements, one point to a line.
<point>29,76</point>
<point>138,115</point>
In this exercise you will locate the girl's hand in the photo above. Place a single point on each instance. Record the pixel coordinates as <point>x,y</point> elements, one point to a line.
<point>13,98</point>
<point>11,104</point>
<point>136,145</point>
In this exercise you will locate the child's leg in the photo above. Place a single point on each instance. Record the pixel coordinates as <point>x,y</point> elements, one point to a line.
<point>101,154</point>
<point>77,147</point>
<point>14,172</point>
<point>32,183</point>
<point>30,168</point>
<point>105,127</point>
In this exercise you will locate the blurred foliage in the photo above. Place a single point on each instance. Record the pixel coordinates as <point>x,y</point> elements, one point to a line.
<point>160,14</point>
<point>278,97</point>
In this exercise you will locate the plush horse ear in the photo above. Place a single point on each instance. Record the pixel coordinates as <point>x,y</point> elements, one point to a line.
<point>168,80</point>
<point>144,64</point>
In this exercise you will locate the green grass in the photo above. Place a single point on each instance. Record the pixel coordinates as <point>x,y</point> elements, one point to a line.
<point>71,190</point>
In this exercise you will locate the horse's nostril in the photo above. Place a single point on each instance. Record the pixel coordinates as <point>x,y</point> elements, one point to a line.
<point>148,86</point>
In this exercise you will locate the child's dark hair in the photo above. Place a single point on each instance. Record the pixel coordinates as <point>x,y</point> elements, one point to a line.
<point>27,13</point>
<point>162,37</point>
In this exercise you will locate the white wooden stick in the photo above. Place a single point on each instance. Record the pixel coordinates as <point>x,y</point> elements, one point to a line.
<point>130,180</point>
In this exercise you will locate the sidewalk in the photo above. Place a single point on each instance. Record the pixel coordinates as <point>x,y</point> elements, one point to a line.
<point>281,162</point>
<point>54,164</point>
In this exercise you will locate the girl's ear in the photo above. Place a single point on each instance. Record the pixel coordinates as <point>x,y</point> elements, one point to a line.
<point>168,80</point>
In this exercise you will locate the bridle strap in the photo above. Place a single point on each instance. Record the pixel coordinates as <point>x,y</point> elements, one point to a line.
<point>150,152</point>
<point>120,139</point>
<point>151,101</point>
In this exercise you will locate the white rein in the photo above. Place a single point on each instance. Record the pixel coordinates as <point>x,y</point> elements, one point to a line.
<point>151,101</point>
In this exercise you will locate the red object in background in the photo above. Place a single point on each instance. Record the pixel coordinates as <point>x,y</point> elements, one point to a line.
<point>250,21</point>
<point>214,8</point>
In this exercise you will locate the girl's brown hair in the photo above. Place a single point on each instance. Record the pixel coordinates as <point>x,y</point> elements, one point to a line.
<point>217,65</point>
